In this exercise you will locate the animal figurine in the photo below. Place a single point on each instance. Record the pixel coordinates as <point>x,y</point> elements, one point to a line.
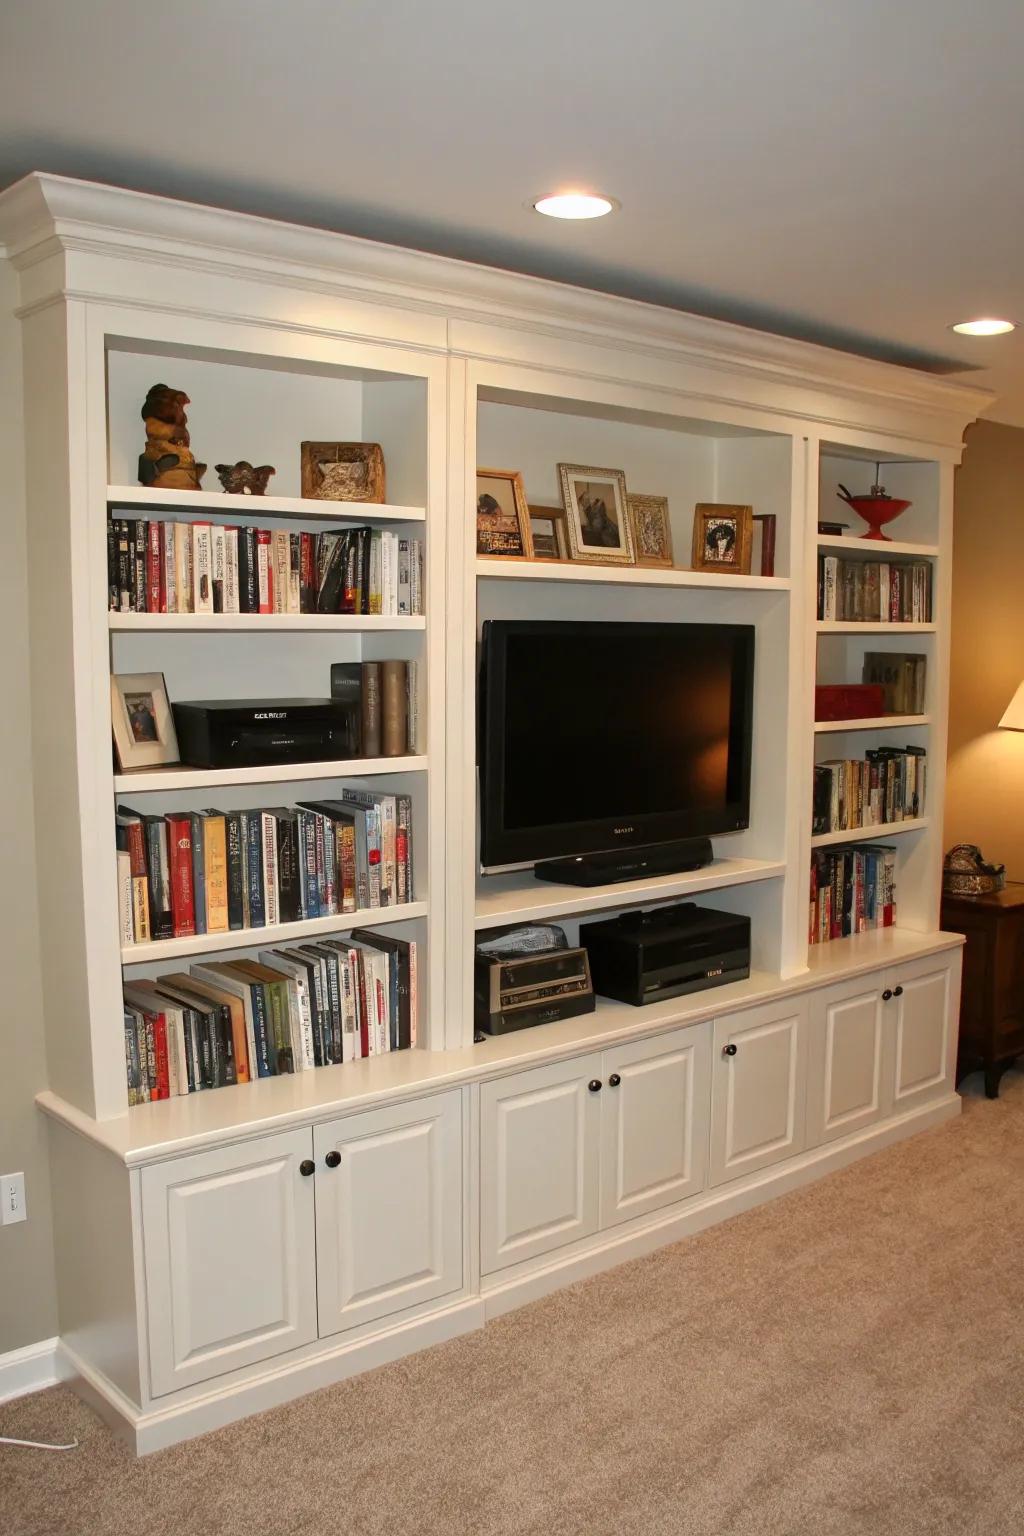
<point>167,463</point>
<point>242,479</point>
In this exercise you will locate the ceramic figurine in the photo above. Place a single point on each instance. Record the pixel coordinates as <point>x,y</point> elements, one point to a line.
<point>242,479</point>
<point>167,463</point>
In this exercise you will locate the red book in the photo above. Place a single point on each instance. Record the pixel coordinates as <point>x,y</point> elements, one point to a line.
<point>365,1033</point>
<point>183,909</point>
<point>307,574</point>
<point>156,602</point>
<point>264,570</point>
<point>163,1074</point>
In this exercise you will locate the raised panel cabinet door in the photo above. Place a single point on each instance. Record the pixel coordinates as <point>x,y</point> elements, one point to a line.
<point>229,1258</point>
<point>925,1029</point>
<point>758,1083</point>
<point>849,1058</point>
<point>539,1169</point>
<point>654,1123</point>
<point>388,1210</point>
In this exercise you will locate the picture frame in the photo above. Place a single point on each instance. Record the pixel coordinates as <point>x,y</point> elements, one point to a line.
<point>502,515</point>
<point>342,472</point>
<point>548,531</point>
<point>652,529</point>
<point>597,515</point>
<point>142,721</point>
<point>722,535</point>
<point>762,548</point>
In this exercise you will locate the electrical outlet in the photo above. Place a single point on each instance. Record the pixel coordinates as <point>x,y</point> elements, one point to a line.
<point>12,1198</point>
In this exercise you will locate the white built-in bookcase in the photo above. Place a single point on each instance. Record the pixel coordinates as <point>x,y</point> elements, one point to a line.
<point>279,335</point>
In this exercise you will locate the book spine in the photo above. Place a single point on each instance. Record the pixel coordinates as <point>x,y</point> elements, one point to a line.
<point>322,897</point>
<point>266,1056</point>
<point>307,574</point>
<point>280,562</point>
<point>183,566</point>
<point>202,568</point>
<point>154,569</point>
<point>403,843</point>
<point>113,594</point>
<point>393,693</point>
<point>264,572</point>
<point>216,853</point>
<point>131,1059</point>
<point>199,870</point>
<point>233,835</point>
<point>404,578</point>
<point>169,587</point>
<point>140,558</point>
<point>162,1089</point>
<point>294,604</point>
<point>268,828</point>
<point>372,722</point>
<point>231,604</point>
<point>179,837</point>
<point>254,869</point>
<point>158,866</point>
<point>125,897</point>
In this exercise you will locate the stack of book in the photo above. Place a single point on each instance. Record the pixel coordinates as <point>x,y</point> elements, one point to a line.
<point>197,567</point>
<point>886,785</point>
<point>902,678</point>
<point>226,1022</point>
<point>852,891</point>
<point>193,872</point>
<point>874,591</point>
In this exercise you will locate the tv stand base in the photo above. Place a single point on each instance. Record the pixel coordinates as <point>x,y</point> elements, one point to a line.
<point>615,864</point>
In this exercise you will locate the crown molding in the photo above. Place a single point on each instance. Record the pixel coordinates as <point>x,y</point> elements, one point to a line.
<point>43,214</point>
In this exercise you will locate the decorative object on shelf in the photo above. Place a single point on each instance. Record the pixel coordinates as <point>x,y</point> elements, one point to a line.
<point>167,462</point>
<point>143,725</point>
<point>502,515</point>
<point>242,479</point>
<point>877,509</point>
<point>547,527</point>
<point>966,872</point>
<point>1013,715</point>
<point>831,529</point>
<point>762,549</point>
<point>597,515</point>
<point>722,537</point>
<point>848,701</point>
<point>652,530</point>
<point>343,471</point>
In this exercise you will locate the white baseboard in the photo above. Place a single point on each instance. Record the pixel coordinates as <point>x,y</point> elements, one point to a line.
<point>31,1369</point>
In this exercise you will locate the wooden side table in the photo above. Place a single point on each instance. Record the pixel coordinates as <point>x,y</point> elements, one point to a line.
<point>992,995</point>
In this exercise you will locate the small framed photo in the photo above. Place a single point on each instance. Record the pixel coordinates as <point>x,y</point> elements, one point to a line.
<point>144,734</point>
<point>652,531</point>
<point>547,527</point>
<point>762,549</point>
<point>502,516</point>
<point>342,471</point>
<point>596,515</point>
<point>721,537</point>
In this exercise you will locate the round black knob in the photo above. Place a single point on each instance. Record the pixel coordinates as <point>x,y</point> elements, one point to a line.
<point>729,1050</point>
<point>332,1159</point>
<point>306,1167</point>
<point>614,1080</point>
<point>594,1085</point>
<point>886,995</point>
<point>897,992</point>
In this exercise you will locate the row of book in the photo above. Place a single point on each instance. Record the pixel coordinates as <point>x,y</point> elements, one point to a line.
<point>886,785</point>
<point>232,1021</point>
<point>874,591</point>
<point>198,567</point>
<point>902,676</point>
<point>193,872</point>
<point>852,890</point>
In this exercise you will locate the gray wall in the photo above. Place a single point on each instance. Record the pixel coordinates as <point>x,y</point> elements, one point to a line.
<point>28,1301</point>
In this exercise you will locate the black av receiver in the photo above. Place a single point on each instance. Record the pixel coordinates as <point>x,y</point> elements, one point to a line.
<point>517,992</point>
<point>641,957</point>
<point>249,733</point>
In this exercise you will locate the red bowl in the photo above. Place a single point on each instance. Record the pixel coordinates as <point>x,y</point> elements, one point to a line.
<point>876,511</point>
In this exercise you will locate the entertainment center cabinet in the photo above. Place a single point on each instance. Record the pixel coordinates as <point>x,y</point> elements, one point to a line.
<point>222,1252</point>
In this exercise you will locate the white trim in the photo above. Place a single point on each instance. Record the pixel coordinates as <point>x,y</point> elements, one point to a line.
<point>30,1369</point>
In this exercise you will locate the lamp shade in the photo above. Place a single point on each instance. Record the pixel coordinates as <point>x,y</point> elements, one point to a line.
<point>1013,719</point>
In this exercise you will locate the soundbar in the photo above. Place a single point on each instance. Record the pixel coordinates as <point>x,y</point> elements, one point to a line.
<point>616,864</point>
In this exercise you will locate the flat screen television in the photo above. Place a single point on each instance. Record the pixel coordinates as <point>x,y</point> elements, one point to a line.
<point>596,736</point>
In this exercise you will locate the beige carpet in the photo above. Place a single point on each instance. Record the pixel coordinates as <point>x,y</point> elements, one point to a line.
<point>847,1359</point>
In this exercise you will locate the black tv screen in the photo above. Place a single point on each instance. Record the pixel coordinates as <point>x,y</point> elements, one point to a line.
<point>596,736</point>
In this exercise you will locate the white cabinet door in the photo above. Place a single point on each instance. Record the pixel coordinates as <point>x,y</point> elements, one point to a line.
<point>758,1083</point>
<point>925,1029</point>
<point>388,1210</point>
<point>539,1163</point>
<point>849,1057</point>
<point>654,1123</point>
<point>229,1258</point>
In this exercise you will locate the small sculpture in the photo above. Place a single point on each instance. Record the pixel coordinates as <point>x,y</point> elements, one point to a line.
<point>876,509</point>
<point>242,479</point>
<point>167,463</point>
<point>966,872</point>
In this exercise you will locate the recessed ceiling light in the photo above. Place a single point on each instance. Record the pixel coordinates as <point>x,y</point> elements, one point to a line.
<point>985,327</point>
<point>575,205</point>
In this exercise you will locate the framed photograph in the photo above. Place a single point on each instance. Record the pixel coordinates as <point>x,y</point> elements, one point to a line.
<point>547,527</point>
<point>762,548</point>
<point>144,734</point>
<point>652,531</point>
<point>596,515</point>
<point>502,516</point>
<point>343,471</point>
<point>721,537</point>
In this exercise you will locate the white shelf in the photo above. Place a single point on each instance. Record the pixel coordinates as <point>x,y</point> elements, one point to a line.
<point>867,951</point>
<point>519,897</point>
<point>150,780</point>
<point>879,834</point>
<point>138,497</point>
<point>877,548</point>
<point>627,576</point>
<point>278,933</point>
<point>872,627</point>
<point>170,623</point>
<point>870,723</point>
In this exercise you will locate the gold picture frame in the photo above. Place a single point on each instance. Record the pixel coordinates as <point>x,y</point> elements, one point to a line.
<point>502,515</point>
<point>342,472</point>
<point>548,531</point>
<point>722,536</point>
<point>596,515</point>
<point>142,722</point>
<point>652,530</point>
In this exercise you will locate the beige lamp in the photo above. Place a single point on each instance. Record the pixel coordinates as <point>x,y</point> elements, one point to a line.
<point>1013,719</point>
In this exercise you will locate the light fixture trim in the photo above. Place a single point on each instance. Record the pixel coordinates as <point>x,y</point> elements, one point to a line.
<point>575,205</point>
<point>985,325</point>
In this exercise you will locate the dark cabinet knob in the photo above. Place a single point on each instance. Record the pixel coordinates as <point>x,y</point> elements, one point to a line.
<point>897,991</point>
<point>886,995</point>
<point>306,1167</point>
<point>729,1050</point>
<point>594,1085</point>
<point>614,1080</point>
<point>332,1159</point>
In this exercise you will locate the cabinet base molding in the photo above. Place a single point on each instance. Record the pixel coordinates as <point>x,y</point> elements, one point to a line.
<point>506,1291</point>
<point>31,1369</point>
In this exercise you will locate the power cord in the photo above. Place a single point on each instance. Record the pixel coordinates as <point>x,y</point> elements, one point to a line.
<point>38,1445</point>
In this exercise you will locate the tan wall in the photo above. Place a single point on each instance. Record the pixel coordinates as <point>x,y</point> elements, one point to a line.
<point>28,1303</point>
<point>985,802</point>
